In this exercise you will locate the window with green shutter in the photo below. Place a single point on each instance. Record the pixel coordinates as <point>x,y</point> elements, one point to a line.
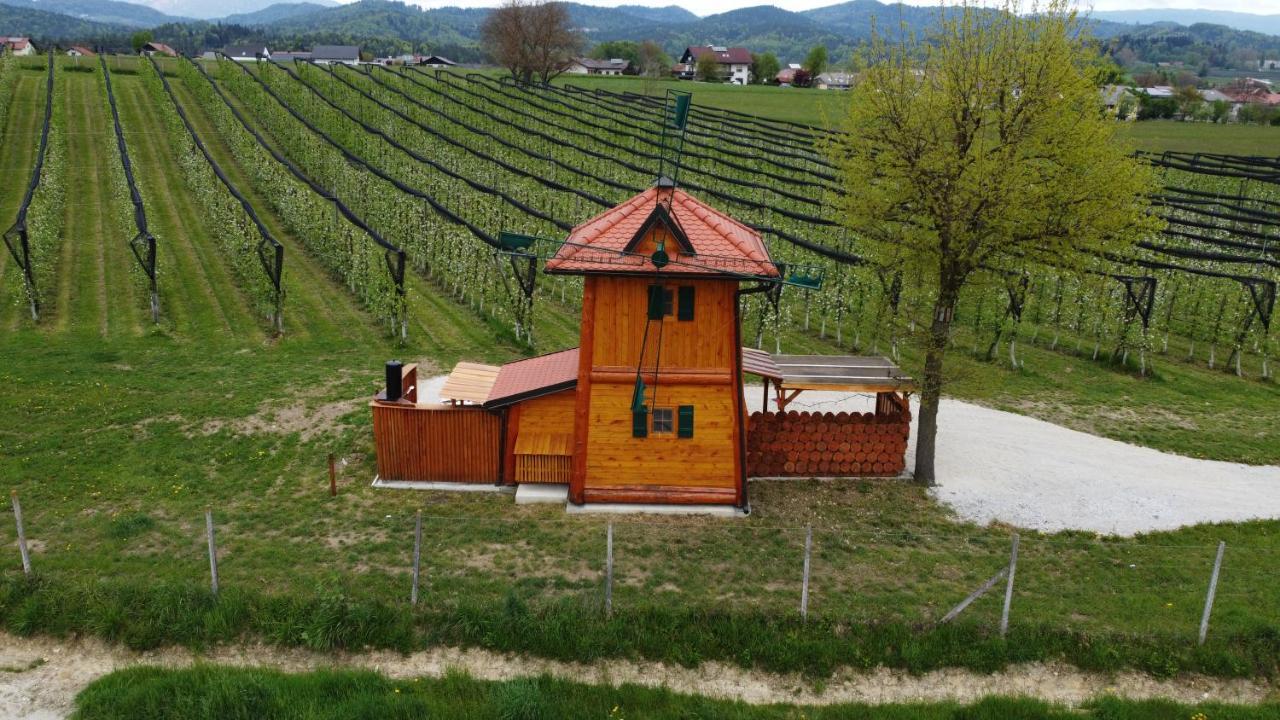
<point>684,426</point>
<point>640,422</point>
<point>685,311</point>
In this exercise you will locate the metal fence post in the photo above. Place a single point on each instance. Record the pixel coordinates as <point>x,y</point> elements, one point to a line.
<point>804,584</point>
<point>1213,589</point>
<point>417,556</point>
<point>213,551</point>
<point>22,535</point>
<point>1008,588</point>
<point>608,571</point>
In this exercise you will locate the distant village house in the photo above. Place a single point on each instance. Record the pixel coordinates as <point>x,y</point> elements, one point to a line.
<point>156,48</point>
<point>79,51</point>
<point>834,81</point>
<point>247,53</point>
<point>734,63</point>
<point>290,56</point>
<point>18,45</point>
<point>335,54</point>
<point>1269,64</point>
<point>591,66</point>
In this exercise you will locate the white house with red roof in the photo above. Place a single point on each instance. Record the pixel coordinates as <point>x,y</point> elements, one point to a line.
<point>734,62</point>
<point>18,45</point>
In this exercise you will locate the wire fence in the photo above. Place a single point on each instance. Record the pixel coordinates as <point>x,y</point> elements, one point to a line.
<point>630,563</point>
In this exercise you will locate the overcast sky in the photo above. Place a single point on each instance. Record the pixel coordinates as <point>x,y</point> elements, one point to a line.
<point>709,7</point>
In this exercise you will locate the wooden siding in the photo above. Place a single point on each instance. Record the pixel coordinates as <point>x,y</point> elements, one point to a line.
<point>542,468</point>
<point>437,444</point>
<point>620,314</point>
<point>705,461</point>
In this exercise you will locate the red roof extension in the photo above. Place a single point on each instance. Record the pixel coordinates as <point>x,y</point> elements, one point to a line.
<point>535,376</point>
<point>721,245</point>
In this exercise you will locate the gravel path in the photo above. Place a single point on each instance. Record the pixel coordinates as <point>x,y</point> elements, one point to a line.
<point>996,466</point>
<point>40,677</point>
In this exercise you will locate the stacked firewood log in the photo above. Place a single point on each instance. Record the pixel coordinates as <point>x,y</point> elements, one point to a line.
<point>804,444</point>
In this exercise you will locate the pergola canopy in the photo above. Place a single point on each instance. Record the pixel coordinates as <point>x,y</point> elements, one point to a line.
<point>793,374</point>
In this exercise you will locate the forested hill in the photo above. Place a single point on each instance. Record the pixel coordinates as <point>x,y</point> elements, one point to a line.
<point>386,26</point>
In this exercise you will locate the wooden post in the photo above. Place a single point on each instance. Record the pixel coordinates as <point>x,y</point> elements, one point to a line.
<point>804,584</point>
<point>417,556</point>
<point>1213,590</point>
<point>213,551</point>
<point>22,535</point>
<point>1008,588</point>
<point>333,477</point>
<point>608,571</point>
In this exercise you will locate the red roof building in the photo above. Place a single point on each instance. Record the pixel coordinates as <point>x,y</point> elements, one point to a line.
<point>17,45</point>
<point>527,379</point>
<point>706,241</point>
<point>734,63</point>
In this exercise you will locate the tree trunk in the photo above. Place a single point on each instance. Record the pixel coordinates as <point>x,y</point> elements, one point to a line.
<point>931,385</point>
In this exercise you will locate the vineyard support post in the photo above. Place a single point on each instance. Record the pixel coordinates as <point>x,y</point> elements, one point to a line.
<point>213,552</point>
<point>22,535</point>
<point>804,583</point>
<point>608,571</point>
<point>1008,588</point>
<point>417,556</point>
<point>1213,590</point>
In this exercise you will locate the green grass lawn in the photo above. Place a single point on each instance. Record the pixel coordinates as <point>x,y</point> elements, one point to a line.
<point>119,436</point>
<point>148,693</point>
<point>824,108</point>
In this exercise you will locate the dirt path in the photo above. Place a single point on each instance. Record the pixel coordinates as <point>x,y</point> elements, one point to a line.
<point>39,677</point>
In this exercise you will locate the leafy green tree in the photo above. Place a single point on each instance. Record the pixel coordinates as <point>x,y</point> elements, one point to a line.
<point>816,61</point>
<point>625,49</point>
<point>140,38</point>
<point>764,68</point>
<point>981,148</point>
<point>707,69</point>
<point>654,63</point>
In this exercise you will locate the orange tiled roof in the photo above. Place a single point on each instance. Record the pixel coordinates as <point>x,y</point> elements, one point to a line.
<point>721,245</point>
<point>526,378</point>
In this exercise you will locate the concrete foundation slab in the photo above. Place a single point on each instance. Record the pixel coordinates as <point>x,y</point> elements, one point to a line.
<point>536,493</point>
<point>727,511</point>
<point>449,486</point>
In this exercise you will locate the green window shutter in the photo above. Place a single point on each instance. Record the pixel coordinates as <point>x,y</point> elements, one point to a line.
<point>684,427</point>
<point>655,302</point>
<point>685,311</point>
<point>640,423</point>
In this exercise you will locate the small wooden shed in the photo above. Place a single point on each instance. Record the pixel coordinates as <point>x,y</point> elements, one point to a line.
<point>649,408</point>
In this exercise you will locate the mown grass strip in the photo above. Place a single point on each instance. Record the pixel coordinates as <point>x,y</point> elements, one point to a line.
<point>216,692</point>
<point>145,617</point>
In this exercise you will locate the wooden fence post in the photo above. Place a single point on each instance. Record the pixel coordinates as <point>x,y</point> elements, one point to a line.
<point>804,584</point>
<point>333,477</point>
<point>608,571</point>
<point>22,535</point>
<point>213,551</point>
<point>417,556</point>
<point>1213,590</point>
<point>1008,588</point>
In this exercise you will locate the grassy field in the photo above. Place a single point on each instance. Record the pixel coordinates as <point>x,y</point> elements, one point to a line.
<point>217,693</point>
<point>824,108</point>
<point>122,434</point>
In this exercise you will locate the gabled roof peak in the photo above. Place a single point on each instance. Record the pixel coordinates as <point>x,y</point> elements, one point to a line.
<point>709,242</point>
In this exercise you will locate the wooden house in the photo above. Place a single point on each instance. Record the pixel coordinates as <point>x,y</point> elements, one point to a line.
<point>649,408</point>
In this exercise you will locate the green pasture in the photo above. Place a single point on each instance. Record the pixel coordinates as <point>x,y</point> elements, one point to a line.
<point>824,108</point>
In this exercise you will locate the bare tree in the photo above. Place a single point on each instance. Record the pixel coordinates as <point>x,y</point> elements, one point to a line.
<point>531,39</point>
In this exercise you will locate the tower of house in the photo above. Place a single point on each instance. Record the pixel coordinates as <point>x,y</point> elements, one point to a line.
<point>658,415</point>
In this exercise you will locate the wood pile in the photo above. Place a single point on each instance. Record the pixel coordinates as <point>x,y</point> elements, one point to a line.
<point>795,444</point>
